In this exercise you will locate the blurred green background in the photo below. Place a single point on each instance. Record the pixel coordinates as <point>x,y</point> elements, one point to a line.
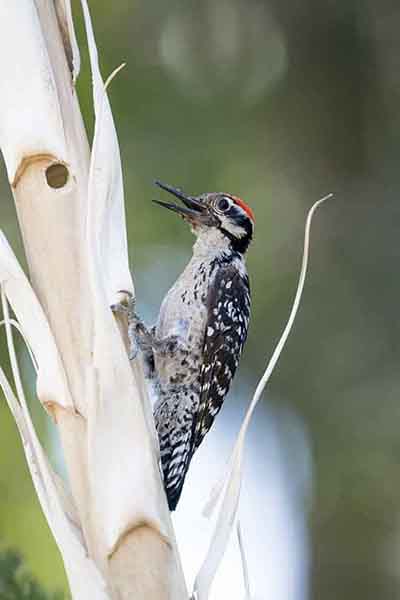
<point>279,102</point>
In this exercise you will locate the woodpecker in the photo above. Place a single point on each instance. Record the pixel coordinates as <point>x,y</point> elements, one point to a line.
<point>193,351</point>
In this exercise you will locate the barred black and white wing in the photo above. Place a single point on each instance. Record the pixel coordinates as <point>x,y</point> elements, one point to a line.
<point>185,412</point>
<point>225,335</point>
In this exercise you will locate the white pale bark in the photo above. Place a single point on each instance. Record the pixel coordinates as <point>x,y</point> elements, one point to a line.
<point>70,210</point>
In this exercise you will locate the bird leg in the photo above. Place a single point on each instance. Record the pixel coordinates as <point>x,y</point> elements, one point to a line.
<point>127,307</point>
<point>142,338</point>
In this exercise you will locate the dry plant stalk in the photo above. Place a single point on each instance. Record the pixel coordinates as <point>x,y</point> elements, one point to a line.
<point>114,529</point>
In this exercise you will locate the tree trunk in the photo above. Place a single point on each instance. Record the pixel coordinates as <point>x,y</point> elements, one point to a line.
<point>69,208</point>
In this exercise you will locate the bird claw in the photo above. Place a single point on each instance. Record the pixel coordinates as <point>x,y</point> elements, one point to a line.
<point>126,305</point>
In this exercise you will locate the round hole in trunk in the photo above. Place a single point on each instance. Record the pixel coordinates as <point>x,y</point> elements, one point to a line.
<point>57,175</point>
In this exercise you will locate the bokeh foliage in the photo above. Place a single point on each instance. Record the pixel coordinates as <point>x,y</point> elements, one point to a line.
<point>16,583</point>
<point>279,102</point>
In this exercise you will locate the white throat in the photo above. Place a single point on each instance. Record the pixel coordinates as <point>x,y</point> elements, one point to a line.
<point>210,242</point>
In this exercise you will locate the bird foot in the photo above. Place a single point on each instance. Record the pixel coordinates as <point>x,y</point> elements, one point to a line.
<point>127,306</point>
<point>140,338</point>
<point>171,345</point>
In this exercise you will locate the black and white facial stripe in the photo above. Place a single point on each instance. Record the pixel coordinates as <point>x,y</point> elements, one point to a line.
<point>235,223</point>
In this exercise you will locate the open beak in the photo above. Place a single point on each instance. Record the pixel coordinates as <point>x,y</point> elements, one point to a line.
<point>193,210</point>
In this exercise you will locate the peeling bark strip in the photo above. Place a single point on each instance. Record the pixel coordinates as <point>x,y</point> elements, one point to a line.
<point>66,26</point>
<point>114,530</point>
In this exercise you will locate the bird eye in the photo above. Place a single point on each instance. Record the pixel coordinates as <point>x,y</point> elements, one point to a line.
<point>223,204</point>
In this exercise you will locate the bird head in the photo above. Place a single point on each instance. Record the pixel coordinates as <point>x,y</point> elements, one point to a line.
<point>216,210</point>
